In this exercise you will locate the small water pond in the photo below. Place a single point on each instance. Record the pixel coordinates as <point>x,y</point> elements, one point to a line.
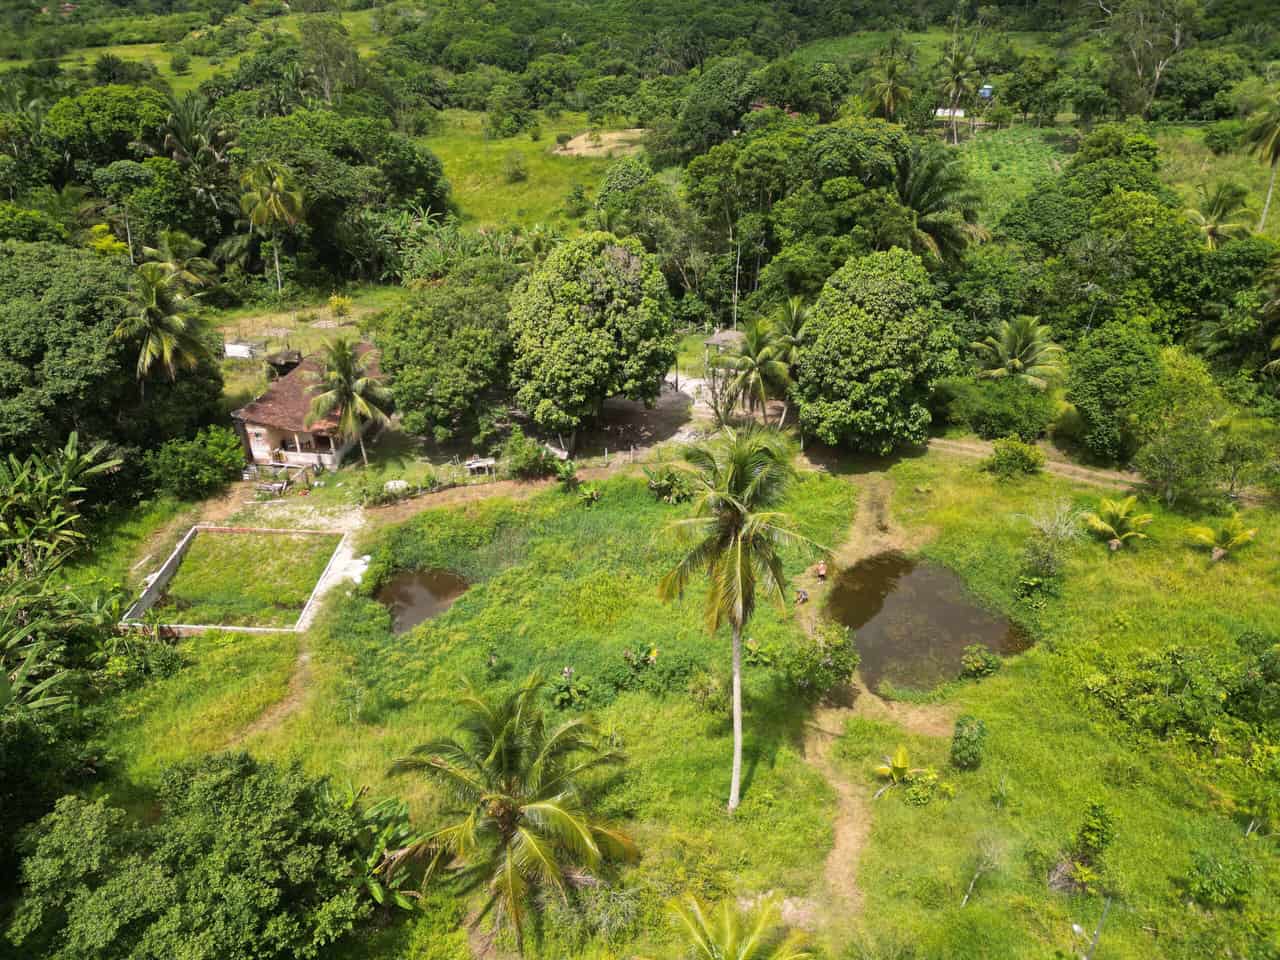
<point>912,620</point>
<point>417,595</point>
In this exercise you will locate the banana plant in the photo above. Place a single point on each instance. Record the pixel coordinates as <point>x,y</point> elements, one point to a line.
<point>384,836</point>
<point>1231,536</point>
<point>1116,522</point>
<point>897,770</point>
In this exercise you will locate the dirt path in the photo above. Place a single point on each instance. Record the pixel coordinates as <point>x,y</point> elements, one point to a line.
<point>278,712</point>
<point>873,531</point>
<point>1094,476</point>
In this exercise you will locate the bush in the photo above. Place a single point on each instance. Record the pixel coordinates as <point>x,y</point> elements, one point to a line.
<point>968,742</point>
<point>710,693</point>
<point>977,661</point>
<point>196,468</point>
<point>340,305</point>
<point>1013,458</point>
<point>819,663</point>
<point>525,457</point>
<point>1000,408</point>
<point>180,63</point>
<point>562,138</point>
<point>514,169</point>
<point>1225,136</point>
<point>669,484</point>
<point>1219,881</point>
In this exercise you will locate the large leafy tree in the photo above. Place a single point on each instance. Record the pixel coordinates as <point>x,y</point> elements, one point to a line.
<point>1110,368</point>
<point>593,322</point>
<point>447,353</point>
<point>271,204</point>
<point>933,185</point>
<point>351,390</point>
<point>159,323</point>
<point>104,124</point>
<point>1021,348</point>
<point>519,823</point>
<point>735,535</point>
<point>245,859</point>
<point>873,345</point>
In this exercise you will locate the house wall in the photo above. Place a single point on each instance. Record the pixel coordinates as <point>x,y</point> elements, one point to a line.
<point>266,443</point>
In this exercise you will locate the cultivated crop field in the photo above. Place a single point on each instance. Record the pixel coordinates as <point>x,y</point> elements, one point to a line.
<point>1008,163</point>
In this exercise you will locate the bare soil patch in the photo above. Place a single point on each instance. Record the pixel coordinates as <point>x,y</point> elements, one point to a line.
<point>614,143</point>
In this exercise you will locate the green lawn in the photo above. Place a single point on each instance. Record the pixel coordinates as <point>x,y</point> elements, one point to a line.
<point>930,44</point>
<point>476,168</point>
<point>246,579</point>
<point>1188,164</point>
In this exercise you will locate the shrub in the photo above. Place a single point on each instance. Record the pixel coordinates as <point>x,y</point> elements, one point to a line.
<point>340,305</point>
<point>1096,832</point>
<point>535,133</point>
<point>1224,136</point>
<point>669,484</point>
<point>567,475</point>
<point>819,663</point>
<point>525,457</point>
<point>1219,881</point>
<point>196,468</point>
<point>562,138</point>
<point>1000,408</point>
<point>977,661</point>
<point>1013,458</point>
<point>575,202</point>
<point>514,168</point>
<point>968,742</point>
<point>180,63</point>
<point>569,692</point>
<point>710,693</point>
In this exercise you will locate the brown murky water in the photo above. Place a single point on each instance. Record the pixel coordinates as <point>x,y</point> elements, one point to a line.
<point>912,620</point>
<point>418,595</point>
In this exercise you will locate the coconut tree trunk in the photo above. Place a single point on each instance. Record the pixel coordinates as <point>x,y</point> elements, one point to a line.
<point>275,250</point>
<point>735,784</point>
<point>364,457</point>
<point>1266,206</point>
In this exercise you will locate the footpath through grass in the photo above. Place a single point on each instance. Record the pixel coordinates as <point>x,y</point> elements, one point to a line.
<point>246,579</point>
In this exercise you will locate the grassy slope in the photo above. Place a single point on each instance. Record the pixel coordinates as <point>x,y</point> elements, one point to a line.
<point>476,168</point>
<point>1051,749</point>
<point>557,584</point>
<point>246,579</point>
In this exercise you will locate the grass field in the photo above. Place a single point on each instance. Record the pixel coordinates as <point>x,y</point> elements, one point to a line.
<point>1053,748</point>
<point>930,44</point>
<point>245,579</point>
<point>1005,164</point>
<point>1188,164</point>
<point>476,168</point>
<point>558,585</point>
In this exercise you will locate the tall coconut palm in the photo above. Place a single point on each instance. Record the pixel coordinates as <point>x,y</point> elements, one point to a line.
<point>959,81</point>
<point>1218,211</point>
<point>271,203</point>
<point>519,823</point>
<point>730,932</point>
<point>348,389</point>
<point>158,320</point>
<point>889,87</point>
<point>193,138</point>
<point>787,327</point>
<point>932,183</point>
<point>1020,348</point>
<point>180,254</point>
<point>740,477</point>
<point>1264,137</point>
<point>756,366</point>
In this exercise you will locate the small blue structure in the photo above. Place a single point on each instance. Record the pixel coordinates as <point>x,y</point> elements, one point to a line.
<point>986,91</point>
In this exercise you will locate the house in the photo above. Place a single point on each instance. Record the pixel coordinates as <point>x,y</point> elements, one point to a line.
<point>273,428</point>
<point>947,113</point>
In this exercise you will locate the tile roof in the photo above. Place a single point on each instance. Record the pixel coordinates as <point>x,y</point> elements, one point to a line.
<point>287,401</point>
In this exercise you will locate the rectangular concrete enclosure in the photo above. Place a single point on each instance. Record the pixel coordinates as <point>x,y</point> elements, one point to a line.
<point>159,582</point>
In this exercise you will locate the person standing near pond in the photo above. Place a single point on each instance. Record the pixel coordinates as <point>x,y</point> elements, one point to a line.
<point>822,571</point>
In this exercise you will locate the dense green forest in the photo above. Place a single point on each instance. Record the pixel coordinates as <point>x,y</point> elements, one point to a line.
<point>1045,233</point>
